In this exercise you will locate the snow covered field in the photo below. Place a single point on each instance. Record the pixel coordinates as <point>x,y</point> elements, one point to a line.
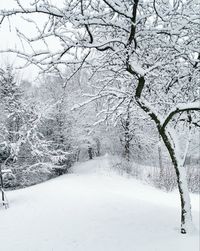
<point>94,209</point>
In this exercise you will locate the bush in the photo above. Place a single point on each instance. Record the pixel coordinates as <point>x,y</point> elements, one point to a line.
<point>31,175</point>
<point>5,152</point>
<point>62,163</point>
<point>24,175</point>
<point>9,180</point>
<point>165,180</point>
<point>124,167</point>
<point>193,174</point>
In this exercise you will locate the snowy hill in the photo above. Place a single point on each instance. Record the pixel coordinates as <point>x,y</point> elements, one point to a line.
<point>94,209</point>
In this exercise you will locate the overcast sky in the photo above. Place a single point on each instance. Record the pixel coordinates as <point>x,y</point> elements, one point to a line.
<point>9,38</point>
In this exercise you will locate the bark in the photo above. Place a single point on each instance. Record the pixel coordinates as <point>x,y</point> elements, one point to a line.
<point>127,150</point>
<point>78,155</point>
<point>90,152</point>
<point>127,133</point>
<point>98,144</point>
<point>160,159</point>
<point>186,216</point>
<point>2,186</point>
<point>127,139</point>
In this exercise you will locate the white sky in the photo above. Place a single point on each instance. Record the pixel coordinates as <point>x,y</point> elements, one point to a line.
<point>9,39</point>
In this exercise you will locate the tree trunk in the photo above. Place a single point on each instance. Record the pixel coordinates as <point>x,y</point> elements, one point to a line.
<point>127,136</point>
<point>186,216</point>
<point>127,150</point>
<point>2,186</point>
<point>160,160</point>
<point>98,152</point>
<point>78,155</point>
<point>90,152</point>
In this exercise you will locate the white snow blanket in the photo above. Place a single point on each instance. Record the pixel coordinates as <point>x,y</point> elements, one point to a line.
<point>94,209</point>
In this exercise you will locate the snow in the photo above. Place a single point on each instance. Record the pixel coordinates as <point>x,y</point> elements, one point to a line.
<point>94,209</point>
<point>6,171</point>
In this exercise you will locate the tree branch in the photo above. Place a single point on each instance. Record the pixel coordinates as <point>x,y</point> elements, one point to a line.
<point>193,106</point>
<point>115,9</point>
<point>7,13</point>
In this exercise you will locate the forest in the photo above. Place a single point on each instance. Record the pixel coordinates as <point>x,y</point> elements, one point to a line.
<point>89,80</point>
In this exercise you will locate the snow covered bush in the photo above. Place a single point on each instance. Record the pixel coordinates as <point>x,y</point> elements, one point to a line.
<point>62,163</point>
<point>31,175</point>
<point>164,179</point>
<point>125,168</point>
<point>9,180</point>
<point>193,174</point>
<point>4,151</point>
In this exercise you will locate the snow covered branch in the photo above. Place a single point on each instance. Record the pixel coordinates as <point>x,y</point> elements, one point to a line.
<point>38,9</point>
<point>193,106</point>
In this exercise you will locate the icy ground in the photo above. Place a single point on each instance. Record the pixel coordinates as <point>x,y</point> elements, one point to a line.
<point>94,209</point>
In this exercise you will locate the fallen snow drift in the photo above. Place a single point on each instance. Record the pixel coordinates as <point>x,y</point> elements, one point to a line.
<point>94,209</point>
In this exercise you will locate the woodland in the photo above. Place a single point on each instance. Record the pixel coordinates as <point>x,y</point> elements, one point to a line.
<point>113,77</point>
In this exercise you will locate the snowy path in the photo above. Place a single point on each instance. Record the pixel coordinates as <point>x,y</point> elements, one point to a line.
<point>94,210</point>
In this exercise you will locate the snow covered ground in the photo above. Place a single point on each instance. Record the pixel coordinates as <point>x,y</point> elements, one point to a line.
<point>94,209</point>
